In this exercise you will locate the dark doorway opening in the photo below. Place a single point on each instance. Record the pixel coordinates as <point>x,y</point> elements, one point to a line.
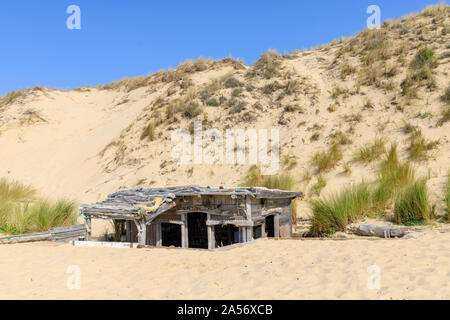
<point>270,226</point>
<point>171,235</point>
<point>197,230</point>
<point>226,235</point>
<point>257,232</point>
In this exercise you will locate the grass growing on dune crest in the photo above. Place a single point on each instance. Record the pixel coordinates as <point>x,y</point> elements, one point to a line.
<point>22,212</point>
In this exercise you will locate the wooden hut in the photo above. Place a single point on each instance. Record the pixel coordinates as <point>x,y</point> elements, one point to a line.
<point>196,217</point>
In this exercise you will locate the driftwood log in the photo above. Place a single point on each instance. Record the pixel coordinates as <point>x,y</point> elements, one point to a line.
<point>379,231</point>
<point>63,234</point>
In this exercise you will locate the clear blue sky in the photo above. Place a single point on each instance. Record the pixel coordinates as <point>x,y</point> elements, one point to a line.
<point>134,37</point>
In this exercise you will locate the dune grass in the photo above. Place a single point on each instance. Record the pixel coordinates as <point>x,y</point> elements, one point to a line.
<point>394,175</point>
<point>371,152</point>
<point>420,146</point>
<point>337,211</point>
<point>412,206</point>
<point>21,211</point>
<point>396,188</point>
<point>327,160</point>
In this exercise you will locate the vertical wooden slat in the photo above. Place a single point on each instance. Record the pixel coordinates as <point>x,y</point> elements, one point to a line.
<point>158,229</point>
<point>88,224</point>
<point>276,222</point>
<point>184,242</point>
<point>128,230</point>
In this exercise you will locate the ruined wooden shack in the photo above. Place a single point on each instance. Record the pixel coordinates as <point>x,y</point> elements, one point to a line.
<point>196,217</point>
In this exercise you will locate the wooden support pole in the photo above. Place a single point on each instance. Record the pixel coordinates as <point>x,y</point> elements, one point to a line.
<point>142,232</point>
<point>249,234</point>
<point>276,223</point>
<point>263,230</point>
<point>291,222</point>
<point>158,230</point>
<point>88,224</point>
<point>128,230</point>
<point>211,236</point>
<point>184,241</point>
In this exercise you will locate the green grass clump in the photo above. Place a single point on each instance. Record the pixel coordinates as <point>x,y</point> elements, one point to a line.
<point>22,212</point>
<point>425,58</point>
<point>412,205</point>
<point>446,95</point>
<point>149,131</point>
<point>394,176</point>
<point>15,191</point>
<point>419,146</point>
<point>327,160</point>
<point>337,211</point>
<point>371,152</point>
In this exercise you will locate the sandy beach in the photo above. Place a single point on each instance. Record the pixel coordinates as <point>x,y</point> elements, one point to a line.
<point>269,269</point>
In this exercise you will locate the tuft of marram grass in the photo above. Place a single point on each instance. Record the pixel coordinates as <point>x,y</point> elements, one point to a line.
<point>15,191</point>
<point>22,212</point>
<point>371,152</point>
<point>337,211</point>
<point>327,160</point>
<point>412,205</point>
<point>393,177</point>
<point>419,146</point>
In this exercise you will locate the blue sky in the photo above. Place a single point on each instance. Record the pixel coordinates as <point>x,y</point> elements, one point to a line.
<point>134,37</point>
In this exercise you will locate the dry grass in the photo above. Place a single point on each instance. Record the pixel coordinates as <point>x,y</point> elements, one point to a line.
<point>371,152</point>
<point>419,146</point>
<point>22,212</point>
<point>327,160</point>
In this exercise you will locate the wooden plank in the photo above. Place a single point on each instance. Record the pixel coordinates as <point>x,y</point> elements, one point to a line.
<point>276,223</point>
<point>22,238</point>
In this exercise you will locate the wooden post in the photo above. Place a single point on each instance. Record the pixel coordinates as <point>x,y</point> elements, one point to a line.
<point>128,230</point>
<point>276,223</point>
<point>248,208</point>
<point>249,234</point>
<point>291,222</point>
<point>142,232</point>
<point>263,230</point>
<point>211,236</point>
<point>158,230</point>
<point>88,224</point>
<point>184,242</point>
<point>242,235</point>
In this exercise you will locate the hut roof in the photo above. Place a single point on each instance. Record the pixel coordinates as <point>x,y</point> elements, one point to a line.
<point>158,200</point>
